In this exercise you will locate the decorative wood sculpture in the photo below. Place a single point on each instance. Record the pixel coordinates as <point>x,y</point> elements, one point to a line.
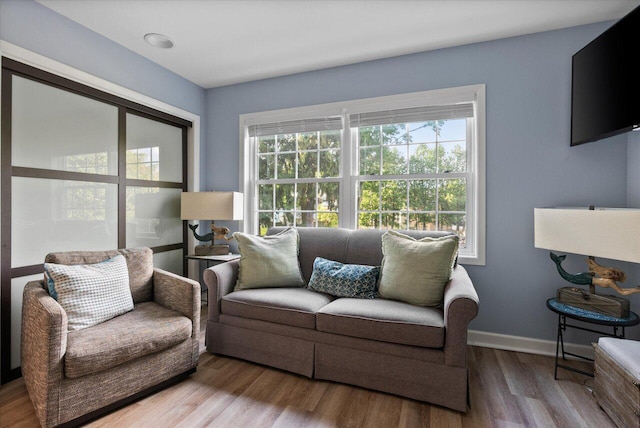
<point>601,276</point>
<point>216,233</point>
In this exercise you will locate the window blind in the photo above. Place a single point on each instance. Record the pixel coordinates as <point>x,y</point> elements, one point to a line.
<point>333,123</point>
<point>414,114</point>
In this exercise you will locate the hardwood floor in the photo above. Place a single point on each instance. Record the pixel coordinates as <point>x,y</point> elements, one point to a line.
<point>508,389</point>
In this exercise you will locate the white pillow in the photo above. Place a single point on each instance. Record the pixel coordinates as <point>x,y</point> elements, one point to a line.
<point>90,294</point>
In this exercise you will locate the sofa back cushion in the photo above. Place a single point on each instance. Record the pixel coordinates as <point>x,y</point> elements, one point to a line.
<point>329,243</point>
<point>139,263</point>
<point>360,246</point>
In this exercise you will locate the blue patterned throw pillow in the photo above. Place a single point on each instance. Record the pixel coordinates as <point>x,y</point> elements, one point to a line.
<point>341,280</point>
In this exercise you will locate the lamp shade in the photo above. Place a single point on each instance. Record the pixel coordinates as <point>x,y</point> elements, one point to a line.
<point>604,232</point>
<point>211,206</point>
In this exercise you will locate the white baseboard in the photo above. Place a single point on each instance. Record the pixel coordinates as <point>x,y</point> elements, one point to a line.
<point>524,344</point>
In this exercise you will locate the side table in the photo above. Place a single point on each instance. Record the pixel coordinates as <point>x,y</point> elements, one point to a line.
<point>211,261</point>
<point>566,311</point>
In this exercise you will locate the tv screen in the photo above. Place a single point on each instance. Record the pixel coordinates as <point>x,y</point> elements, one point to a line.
<point>605,86</point>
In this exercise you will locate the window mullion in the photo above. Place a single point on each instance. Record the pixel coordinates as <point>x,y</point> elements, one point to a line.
<point>471,190</point>
<point>347,203</point>
<point>273,207</point>
<point>295,174</point>
<point>381,152</point>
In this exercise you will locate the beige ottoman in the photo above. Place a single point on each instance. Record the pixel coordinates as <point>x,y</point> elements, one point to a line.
<point>617,380</point>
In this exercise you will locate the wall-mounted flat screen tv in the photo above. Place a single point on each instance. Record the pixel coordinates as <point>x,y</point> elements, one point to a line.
<point>605,87</point>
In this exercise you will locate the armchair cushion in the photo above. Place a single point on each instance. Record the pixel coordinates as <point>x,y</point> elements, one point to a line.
<point>149,328</point>
<point>90,294</point>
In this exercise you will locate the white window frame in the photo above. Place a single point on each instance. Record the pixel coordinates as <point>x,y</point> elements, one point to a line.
<point>474,254</point>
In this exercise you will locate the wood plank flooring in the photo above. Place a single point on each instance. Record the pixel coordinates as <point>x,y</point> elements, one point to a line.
<point>508,389</point>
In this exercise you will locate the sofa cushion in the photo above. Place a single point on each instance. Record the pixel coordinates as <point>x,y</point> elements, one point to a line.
<point>270,261</point>
<point>90,294</point>
<point>416,271</point>
<point>344,280</point>
<point>383,320</point>
<point>149,328</point>
<point>291,306</point>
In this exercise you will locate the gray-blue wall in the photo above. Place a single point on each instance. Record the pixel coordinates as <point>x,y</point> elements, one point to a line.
<point>37,28</point>
<point>529,161</point>
<point>633,199</point>
<point>633,170</point>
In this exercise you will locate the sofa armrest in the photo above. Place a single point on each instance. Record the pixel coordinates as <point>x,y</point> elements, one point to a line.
<point>460,307</point>
<point>178,293</point>
<point>221,279</point>
<point>44,343</point>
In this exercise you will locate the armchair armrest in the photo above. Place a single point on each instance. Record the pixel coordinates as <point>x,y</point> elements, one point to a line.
<point>221,279</point>
<point>44,343</point>
<point>179,294</point>
<point>460,307</point>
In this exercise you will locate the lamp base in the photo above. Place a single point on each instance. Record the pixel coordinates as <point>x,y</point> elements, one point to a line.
<point>605,304</point>
<point>212,250</point>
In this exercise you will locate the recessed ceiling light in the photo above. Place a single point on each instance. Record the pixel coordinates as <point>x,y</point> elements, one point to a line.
<point>158,40</point>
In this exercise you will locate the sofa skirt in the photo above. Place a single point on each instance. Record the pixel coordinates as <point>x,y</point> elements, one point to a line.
<point>282,352</point>
<point>420,375</point>
<point>420,380</point>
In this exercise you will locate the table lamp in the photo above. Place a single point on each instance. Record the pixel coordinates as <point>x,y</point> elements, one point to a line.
<point>211,206</point>
<point>595,232</point>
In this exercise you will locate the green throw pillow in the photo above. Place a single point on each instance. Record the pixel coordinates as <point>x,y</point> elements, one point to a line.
<point>416,271</point>
<point>270,261</point>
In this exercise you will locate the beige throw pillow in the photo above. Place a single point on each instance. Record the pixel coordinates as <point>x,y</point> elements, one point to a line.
<point>270,261</point>
<point>416,271</point>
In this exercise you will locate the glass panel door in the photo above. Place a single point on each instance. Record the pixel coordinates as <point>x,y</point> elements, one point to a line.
<point>154,150</point>
<point>61,215</point>
<point>59,130</point>
<point>66,143</point>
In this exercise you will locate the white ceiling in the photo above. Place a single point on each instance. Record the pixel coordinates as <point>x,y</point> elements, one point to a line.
<point>225,42</point>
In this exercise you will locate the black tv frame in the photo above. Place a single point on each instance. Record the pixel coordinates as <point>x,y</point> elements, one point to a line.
<point>608,59</point>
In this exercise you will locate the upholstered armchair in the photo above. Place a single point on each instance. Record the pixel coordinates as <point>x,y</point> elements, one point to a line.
<point>73,376</point>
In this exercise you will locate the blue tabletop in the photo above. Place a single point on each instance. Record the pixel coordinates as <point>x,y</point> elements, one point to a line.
<point>590,316</point>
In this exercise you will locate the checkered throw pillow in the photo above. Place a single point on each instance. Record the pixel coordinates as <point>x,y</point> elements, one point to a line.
<point>90,294</point>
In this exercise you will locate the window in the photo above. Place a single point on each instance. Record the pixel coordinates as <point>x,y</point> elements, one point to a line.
<point>298,177</point>
<point>411,161</point>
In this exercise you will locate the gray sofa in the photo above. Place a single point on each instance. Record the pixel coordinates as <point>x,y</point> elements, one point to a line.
<point>390,346</point>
